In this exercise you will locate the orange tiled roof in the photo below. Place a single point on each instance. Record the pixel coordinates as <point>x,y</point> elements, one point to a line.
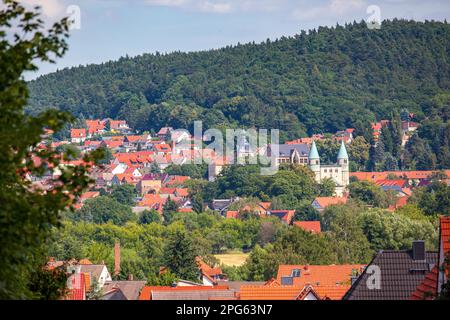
<point>269,292</point>
<point>146,292</point>
<point>231,214</point>
<point>328,201</point>
<point>89,195</point>
<point>386,182</point>
<point>373,176</point>
<point>312,226</point>
<point>320,275</point>
<point>445,234</point>
<point>331,292</point>
<point>78,133</point>
<point>85,261</point>
<point>427,289</point>
<point>206,269</point>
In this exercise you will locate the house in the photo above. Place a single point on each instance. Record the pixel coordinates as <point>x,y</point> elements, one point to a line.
<point>187,293</point>
<point>150,182</point>
<point>328,281</point>
<point>249,292</point>
<point>289,153</point>
<point>95,127</point>
<point>96,274</point>
<point>345,136</point>
<point>122,290</point>
<point>221,205</point>
<point>119,168</point>
<point>444,252</point>
<point>153,202</point>
<point>118,125</point>
<point>285,216</point>
<point>77,135</point>
<point>402,183</point>
<point>321,203</point>
<point>338,172</point>
<point>413,177</point>
<point>210,276</point>
<point>76,286</point>
<point>394,274</point>
<point>310,226</point>
<point>164,133</point>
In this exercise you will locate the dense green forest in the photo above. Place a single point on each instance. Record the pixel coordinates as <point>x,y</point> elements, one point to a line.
<point>316,81</point>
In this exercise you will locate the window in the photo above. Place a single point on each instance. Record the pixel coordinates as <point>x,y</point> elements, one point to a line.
<point>296,273</point>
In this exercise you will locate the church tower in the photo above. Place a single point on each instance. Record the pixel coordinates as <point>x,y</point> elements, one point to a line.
<point>342,160</point>
<point>314,161</point>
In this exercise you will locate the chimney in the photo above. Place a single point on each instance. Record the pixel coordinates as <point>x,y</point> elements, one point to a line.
<point>418,250</point>
<point>130,277</point>
<point>117,258</point>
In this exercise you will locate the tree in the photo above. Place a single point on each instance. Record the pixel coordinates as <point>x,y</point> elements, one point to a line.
<point>358,152</point>
<point>151,216</point>
<point>164,279</point>
<point>103,209</point>
<point>180,256</point>
<point>387,231</point>
<point>371,194</point>
<point>27,214</point>
<point>170,209</point>
<point>327,187</point>
<point>124,194</point>
<point>433,199</point>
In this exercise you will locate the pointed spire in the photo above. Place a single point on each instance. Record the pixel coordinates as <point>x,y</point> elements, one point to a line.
<point>313,153</point>
<point>342,151</point>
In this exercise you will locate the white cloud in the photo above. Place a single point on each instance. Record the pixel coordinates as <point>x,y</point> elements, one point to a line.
<point>220,6</point>
<point>333,8</point>
<point>50,8</point>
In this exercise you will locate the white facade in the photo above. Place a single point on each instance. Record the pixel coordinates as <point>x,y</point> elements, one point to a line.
<point>338,172</point>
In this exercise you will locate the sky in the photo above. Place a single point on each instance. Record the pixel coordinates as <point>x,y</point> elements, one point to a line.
<point>108,29</point>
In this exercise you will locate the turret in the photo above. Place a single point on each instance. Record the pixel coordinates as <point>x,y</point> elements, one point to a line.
<point>342,160</point>
<point>342,157</point>
<point>314,160</point>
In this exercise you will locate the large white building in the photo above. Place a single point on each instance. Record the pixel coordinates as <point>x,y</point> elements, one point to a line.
<point>338,172</point>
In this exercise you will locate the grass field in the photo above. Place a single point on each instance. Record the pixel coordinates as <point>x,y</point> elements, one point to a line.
<point>232,259</point>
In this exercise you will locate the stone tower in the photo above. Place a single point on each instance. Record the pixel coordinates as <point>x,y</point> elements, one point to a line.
<point>314,161</point>
<point>342,160</point>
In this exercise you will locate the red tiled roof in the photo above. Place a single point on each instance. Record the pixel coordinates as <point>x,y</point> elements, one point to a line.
<point>231,214</point>
<point>163,147</point>
<point>78,133</point>
<point>328,201</point>
<point>427,289</point>
<point>147,291</point>
<point>89,195</point>
<point>176,180</point>
<point>386,182</point>
<point>284,215</point>
<point>269,292</point>
<point>373,176</point>
<point>445,234</point>
<point>320,275</point>
<point>312,226</point>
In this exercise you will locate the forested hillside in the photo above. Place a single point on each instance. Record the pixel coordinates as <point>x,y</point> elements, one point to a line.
<point>323,80</point>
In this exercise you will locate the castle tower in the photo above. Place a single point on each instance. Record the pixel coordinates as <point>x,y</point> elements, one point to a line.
<point>342,160</point>
<point>314,161</point>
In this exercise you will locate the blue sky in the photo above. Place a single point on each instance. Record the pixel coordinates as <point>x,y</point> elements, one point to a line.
<point>113,28</point>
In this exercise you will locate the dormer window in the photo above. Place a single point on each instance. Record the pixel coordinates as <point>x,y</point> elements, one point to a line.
<point>296,273</point>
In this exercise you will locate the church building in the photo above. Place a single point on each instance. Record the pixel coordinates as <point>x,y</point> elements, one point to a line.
<point>339,172</point>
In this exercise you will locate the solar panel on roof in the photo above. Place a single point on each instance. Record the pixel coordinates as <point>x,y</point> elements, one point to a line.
<point>287,281</point>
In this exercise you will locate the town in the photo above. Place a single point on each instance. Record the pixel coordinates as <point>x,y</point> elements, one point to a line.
<point>142,166</point>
